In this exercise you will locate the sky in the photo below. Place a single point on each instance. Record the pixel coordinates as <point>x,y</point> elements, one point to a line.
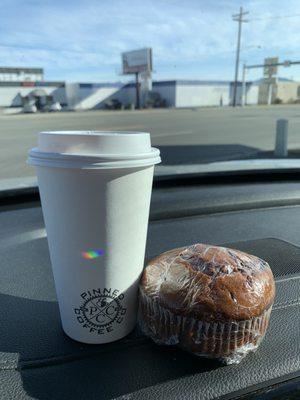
<point>82,41</point>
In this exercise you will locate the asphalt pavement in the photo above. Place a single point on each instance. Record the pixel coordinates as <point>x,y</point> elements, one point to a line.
<point>184,135</point>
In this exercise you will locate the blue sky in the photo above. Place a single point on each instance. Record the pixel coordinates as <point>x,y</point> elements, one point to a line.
<point>194,39</point>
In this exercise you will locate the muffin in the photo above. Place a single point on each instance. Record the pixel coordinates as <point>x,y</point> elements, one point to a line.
<point>211,301</point>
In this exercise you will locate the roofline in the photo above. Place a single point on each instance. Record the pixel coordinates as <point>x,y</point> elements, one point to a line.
<point>191,83</point>
<point>31,83</point>
<point>21,69</point>
<point>101,85</point>
<point>208,82</point>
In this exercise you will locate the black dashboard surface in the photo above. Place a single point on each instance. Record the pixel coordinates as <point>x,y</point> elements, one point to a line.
<point>38,361</point>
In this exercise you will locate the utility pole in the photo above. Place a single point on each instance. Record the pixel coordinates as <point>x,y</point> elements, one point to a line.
<point>240,20</point>
<point>244,88</point>
<point>137,89</point>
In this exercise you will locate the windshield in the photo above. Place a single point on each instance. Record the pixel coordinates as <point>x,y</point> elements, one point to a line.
<point>208,80</point>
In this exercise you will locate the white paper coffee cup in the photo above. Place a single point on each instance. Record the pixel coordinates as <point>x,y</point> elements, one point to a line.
<point>95,190</point>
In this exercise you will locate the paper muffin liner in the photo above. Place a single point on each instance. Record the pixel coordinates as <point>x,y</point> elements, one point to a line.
<point>227,341</point>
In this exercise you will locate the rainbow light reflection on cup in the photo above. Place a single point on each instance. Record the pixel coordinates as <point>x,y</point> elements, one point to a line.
<point>91,254</point>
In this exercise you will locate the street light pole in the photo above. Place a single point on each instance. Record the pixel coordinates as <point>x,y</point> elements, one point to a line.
<point>240,20</point>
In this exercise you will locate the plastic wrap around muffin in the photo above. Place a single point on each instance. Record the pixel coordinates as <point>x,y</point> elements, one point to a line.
<point>211,301</point>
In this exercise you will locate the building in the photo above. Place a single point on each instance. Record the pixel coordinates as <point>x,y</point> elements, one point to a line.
<point>286,92</point>
<point>86,96</point>
<point>279,91</point>
<point>21,74</point>
<point>19,86</point>
<point>174,93</point>
<point>17,94</point>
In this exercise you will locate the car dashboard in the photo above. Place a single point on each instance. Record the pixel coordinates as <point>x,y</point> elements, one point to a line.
<point>38,361</point>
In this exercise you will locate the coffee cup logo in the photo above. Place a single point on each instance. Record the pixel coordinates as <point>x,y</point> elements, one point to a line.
<point>101,310</point>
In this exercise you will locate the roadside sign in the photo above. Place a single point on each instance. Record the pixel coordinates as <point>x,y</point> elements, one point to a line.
<point>137,61</point>
<point>270,70</point>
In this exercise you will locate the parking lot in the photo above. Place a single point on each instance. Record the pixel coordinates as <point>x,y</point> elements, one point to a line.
<point>206,134</point>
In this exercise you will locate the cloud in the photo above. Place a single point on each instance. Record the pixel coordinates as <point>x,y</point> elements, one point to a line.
<point>72,39</point>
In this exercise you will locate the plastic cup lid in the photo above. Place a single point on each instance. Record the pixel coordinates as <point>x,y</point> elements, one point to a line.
<point>93,149</point>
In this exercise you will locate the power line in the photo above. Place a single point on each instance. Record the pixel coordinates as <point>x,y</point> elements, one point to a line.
<point>275,17</point>
<point>46,49</point>
<point>238,18</point>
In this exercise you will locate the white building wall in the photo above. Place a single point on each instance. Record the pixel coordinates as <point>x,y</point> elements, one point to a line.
<point>176,94</point>
<point>96,97</point>
<point>197,95</point>
<point>127,95</point>
<point>287,91</point>
<point>72,94</point>
<point>59,94</point>
<point>252,95</point>
<point>88,96</point>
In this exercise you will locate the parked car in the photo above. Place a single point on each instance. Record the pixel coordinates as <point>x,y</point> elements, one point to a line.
<point>154,100</point>
<point>113,104</point>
